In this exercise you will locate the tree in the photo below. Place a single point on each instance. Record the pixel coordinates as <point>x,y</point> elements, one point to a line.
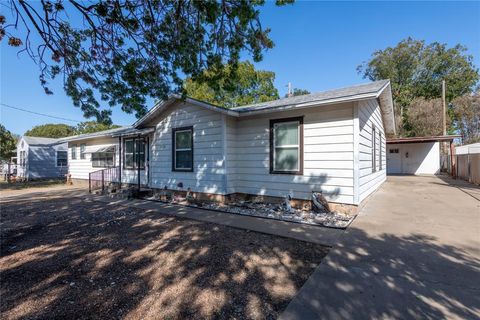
<point>240,85</point>
<point>467,117</point>
<point>51,130</point>
<point>93,126</point>
<point>8,143</point>
<point>122,52</point>
<point>298,92</point>
<point>416,69</point>
<point>425,117</point>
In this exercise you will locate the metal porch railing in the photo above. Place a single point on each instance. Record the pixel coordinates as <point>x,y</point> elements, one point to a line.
<point>101,179</point>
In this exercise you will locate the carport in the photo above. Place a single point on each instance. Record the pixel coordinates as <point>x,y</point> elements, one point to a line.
<point>418,155</point>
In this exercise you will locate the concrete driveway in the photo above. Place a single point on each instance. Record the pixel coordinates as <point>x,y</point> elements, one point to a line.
<point>412,253</point>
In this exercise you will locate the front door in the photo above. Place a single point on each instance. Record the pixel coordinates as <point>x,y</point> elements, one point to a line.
<point>394,160</point>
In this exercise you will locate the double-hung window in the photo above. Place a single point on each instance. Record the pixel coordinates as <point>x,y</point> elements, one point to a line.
<point>74,152</point>
<point>134,153</point>
<point>62,157</point>
<point>182,149</point>
<point>83,147</point>
<point>286,146</point>
<point>104,158</point>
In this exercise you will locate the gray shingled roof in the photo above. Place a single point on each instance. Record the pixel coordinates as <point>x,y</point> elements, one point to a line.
<point>96,134</point>
<point>40,140</point>
<point>353,92</point>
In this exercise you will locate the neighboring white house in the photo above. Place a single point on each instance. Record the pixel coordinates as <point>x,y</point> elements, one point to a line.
<point>41,158</point>
<point>331,142</point>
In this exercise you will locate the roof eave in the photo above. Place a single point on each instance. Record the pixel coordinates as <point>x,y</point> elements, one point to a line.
<point>384,97</point>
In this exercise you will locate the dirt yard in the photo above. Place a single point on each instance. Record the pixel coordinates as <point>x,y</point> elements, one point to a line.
<point>70,258</point>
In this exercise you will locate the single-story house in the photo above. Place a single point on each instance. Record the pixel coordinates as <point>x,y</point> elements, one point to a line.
<point>41,158</point>
<point>419,155</point>
<point>331,142</point>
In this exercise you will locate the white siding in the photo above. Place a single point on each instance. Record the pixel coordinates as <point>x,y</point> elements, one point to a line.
<point>328,155</point>
<point>423,158</point>
<point>208,154</point>
<point>80,168</point>
<point>22,171</point>
<point>369,116</point>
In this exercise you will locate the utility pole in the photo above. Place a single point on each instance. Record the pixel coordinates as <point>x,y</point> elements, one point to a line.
<point>444,103</point>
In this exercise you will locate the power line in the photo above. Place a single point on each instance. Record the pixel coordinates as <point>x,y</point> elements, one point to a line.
<point>38,113</point>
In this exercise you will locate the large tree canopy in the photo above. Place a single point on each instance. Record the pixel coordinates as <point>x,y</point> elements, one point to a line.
<point>425,117</point>
<point>93,126</point>
<point>235,87</point>
<point>7,143</point>
<point>416,69</point>
<point>467,116</point>
<point>51,130</point>
<point>122,52</point>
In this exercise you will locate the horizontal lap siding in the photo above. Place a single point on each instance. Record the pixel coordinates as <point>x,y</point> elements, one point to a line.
<point>81,168</point>
<point>328,155</point>
<point>208,161</point>
<point>369,115</point>
<point>42,162</point>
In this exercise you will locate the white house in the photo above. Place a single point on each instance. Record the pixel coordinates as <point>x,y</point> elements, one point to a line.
<point>418,155</point>
<point>41,158</point>
<point>333,142</point>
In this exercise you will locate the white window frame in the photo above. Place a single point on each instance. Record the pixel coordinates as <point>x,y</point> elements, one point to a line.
<point>175,168</point>
<point>56,159</point>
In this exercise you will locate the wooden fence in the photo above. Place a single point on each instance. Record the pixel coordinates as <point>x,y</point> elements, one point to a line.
<point>468,164</point>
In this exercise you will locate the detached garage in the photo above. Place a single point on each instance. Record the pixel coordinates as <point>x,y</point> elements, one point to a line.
<point>418,155</point>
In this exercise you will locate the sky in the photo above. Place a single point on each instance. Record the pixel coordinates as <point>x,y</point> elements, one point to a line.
<point>318,46</point>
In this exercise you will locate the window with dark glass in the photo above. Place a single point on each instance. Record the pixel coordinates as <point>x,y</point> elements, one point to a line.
<point>134,153</point>
<point>286,146</point>
<point>182,146</point>
<point>62,157</point>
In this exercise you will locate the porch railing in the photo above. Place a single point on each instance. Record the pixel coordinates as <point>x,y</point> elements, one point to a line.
<point>101,179</point>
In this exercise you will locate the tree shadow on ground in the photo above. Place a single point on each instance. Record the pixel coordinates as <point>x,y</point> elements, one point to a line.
<point>67,258</point>
<point>394,277</point>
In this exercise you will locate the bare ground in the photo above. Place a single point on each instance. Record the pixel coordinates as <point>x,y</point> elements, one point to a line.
<point>69,258</point>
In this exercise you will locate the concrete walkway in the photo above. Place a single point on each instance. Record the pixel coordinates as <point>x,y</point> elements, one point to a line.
<point>304,232</point>
<point>412,253</point>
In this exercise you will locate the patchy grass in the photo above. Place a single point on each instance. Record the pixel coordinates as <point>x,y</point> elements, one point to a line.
<point>4,185</point>
<point>67,258</point>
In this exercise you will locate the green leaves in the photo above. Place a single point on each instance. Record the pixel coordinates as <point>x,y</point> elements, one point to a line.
<point>118,53</point>
<point>7,143</point>
<point>233,85</point>
<point>51,131</point>
<point>416,69</point>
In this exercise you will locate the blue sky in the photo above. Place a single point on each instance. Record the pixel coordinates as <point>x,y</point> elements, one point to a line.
<point>318,46</point>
